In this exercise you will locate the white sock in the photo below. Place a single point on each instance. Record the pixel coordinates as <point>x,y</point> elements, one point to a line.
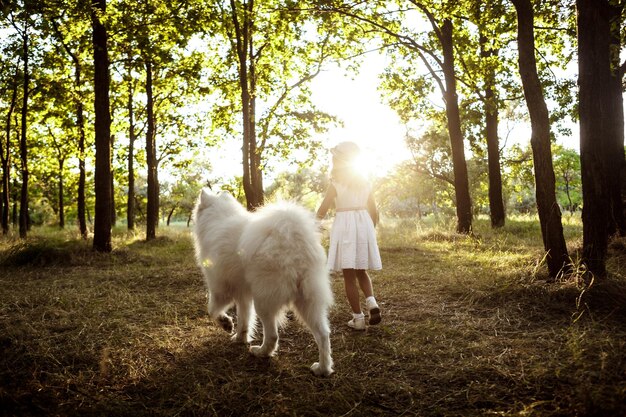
<point>358,315</point>
<point>370,301</point>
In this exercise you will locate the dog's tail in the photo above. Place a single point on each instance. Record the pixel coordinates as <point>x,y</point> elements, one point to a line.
<point>283,238</point>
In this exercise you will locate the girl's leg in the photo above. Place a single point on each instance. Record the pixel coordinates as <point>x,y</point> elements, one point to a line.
<point>365,282</point>
<point>370,302</point>
<point>352,291</point>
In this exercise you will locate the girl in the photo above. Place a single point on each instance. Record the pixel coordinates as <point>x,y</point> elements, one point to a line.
<point>353,248</point>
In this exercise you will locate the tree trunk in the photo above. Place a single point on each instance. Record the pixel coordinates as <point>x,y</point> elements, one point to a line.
<point>61,195</point>
<point>496,202</point>
<point>113,211</point>
<point>256,175</point>
<point>80,123</point>
<point>595,100</point>
<point>130,202</point>
<point>461,181</point>
<point>252,175</point>
<point>14,213</point>
<point>152,215</point>
<point>24,215</point>
<point>171,213</point>
<point>547,207</point>
<point>5,156</point>
<point>615,158</point>
<point>102,226</point>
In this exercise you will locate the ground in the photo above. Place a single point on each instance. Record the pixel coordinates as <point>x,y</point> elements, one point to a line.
<point>470,327</point>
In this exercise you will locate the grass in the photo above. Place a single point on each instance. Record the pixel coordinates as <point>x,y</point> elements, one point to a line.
<point>470,328</point>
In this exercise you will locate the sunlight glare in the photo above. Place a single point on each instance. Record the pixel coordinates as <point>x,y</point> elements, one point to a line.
<point>367,165</point>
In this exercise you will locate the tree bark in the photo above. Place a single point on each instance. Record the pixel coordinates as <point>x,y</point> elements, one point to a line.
<point>549,212</point>
<point>24,215</point>
<point>80,123</point>
<point>5,156</point>
<point>615,162</point>
<point>595,100</point>
<point>461,181</point>
<point>102,226</point>
<point>14,211</point>
<point>252,175</point>
<point>61,195</point>
<point>152,215</point>
<point>496,202</point>
<point>171,213</point>
<point>130,202</point>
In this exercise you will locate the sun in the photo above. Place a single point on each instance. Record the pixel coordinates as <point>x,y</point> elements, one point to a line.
<point>368,165</point>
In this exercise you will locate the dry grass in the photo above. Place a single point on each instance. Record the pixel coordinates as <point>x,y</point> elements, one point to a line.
<point>470,328</point>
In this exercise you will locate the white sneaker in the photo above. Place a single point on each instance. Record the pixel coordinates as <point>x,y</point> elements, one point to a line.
<point>357,323</point>
<point>374,311</point>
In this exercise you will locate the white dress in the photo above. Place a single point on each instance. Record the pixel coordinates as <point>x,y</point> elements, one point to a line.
<point>353,237</point>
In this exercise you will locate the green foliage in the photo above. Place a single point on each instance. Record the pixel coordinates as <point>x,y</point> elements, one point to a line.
<point>198,95</point>
<point>286,118</point>
<point>304,186</point>
<point>568,178</point>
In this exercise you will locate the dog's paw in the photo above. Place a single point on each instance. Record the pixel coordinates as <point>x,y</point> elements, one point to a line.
<point>259,352</point>
<point>241,338</point>
<point>317,370</point>
<point>226,323</point>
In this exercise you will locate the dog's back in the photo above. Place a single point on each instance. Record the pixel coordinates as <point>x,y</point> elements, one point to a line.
<point>281,250</point>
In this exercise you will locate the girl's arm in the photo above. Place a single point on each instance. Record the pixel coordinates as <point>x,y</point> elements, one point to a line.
<point>327,203</point>
<point>371,208</point>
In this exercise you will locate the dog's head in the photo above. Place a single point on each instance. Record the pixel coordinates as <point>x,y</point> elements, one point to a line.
<point>216,205</point>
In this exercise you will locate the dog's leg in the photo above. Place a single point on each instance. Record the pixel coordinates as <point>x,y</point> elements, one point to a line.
<point>321,333</point>
<point>270,334</point>
<point>245,314</point>
<point>316,321</point>
<point>217,310</point>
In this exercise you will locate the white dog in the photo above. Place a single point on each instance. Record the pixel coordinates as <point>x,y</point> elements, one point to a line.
<point>264,261</point>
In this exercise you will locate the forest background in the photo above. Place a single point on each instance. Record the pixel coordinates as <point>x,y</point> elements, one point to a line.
<point>175,79</point>
<point>502,291</point>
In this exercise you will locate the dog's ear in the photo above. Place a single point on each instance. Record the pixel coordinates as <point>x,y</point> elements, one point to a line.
<point>206,198</point>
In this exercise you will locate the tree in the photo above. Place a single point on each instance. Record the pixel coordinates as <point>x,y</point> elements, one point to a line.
<point>23,26</point>
<point>520,179</point>
<point>71,39</point>
<point>433,168</point>
<point>5,152</point>
<point>549,213</point>
<point>130,200</point>
<point>436,52</point>
<point>61,150</point>
<point>616,158</point>
<point>102,226</point>
<point>152,211</point>
<point>267,83</point>
<point>487,17</point>
<point>567,172</point>
<point>155,43</point>
<point>600,129</point>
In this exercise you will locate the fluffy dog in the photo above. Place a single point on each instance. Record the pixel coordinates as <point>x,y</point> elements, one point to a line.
<point>263,262</point>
